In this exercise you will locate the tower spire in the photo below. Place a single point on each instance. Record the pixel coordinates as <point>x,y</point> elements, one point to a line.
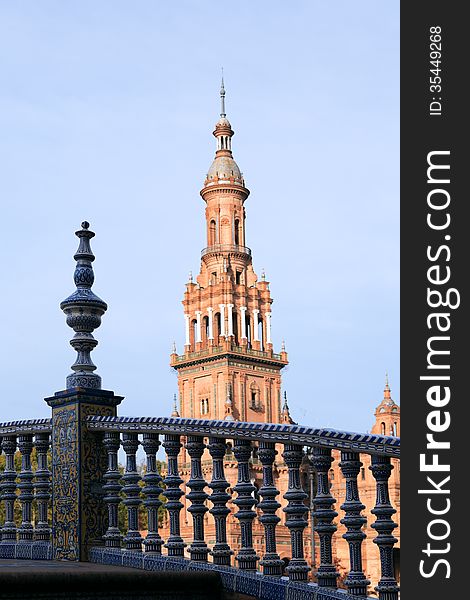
<point>387,392</point>
<point>175,412</point>
<point>222,96</point>
<point>285,414</point>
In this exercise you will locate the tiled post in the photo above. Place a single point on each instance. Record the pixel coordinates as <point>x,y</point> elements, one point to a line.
<point>79,515</point>
<point>78,456</point>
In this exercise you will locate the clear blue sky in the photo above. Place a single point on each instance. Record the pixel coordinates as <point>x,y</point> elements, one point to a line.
<point>106,114</point>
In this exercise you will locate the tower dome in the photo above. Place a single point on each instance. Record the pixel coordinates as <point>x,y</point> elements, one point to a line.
<point>223,169</point>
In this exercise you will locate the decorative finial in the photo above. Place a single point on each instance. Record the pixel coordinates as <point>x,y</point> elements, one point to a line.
<point>175,412</point>
<point>386,380</point>
<point>174,348</point>
<point>84,310</point>
<point>263,275</point>
<point>285,406</point>
<point>190,277</point>
<point>286,418</point>
<point>228,404</point>
<point>222,96</point>
<point>283,346</point>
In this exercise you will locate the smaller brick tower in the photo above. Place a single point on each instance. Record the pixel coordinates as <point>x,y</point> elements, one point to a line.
<point>387,415</point>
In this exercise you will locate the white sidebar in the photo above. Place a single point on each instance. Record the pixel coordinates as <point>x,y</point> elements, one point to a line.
<point>229,319</point>
<point>198,325</point>
<point>268,328</point>
<point>211,323</point>
<point>255,325</point>
<point>222,319</point>
<point>188,341</point>
<point>243,321</point>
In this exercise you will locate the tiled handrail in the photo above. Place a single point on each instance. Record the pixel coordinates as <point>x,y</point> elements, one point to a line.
<point>369,443</point>
<point>26,426</point>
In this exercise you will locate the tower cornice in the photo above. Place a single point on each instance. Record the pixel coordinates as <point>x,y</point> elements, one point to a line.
<point>215,187</point>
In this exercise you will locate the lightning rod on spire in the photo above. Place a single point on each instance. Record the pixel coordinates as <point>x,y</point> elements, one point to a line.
<point>222,96</point>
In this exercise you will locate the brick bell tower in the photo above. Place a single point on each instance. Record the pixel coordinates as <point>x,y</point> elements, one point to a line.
<point>229,369</point>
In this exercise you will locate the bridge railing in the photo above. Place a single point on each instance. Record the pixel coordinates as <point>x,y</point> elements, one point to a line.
<point>202,437</point>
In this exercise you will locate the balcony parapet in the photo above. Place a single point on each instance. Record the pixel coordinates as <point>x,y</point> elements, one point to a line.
<point>226,248</point>
<point>239,351</point>
<point>26,426</point>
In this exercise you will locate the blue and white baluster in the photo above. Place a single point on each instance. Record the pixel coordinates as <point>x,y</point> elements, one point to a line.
<point>220,552</point>
<point>198,549</point>
<point>324,514</point>
<point>296,510</point>
<point>132,539</point>
<point>9,489</point>
<point>42,487</point>
<point>271,562</point>
<point>152,490</point>
<point>112,487</point>
<point>175,544</point>
<point>387,587</point>
<point>353,520</point>
<point>246,557</point>
<point>25,446</point>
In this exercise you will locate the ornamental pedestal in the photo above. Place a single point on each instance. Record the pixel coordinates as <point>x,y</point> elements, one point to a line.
<point>79,458</point>
<point>79,462</point>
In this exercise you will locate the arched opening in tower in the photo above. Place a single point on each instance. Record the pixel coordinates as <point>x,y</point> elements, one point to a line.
<point>217,329</point>
<point>212,233</point>
<point>235,327</point>
<point>225,231</point>
<point>261,334</point>
<point>237,232</point>
<point>205,329</point>
<point>193,333</point>
<point>248,330</point>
